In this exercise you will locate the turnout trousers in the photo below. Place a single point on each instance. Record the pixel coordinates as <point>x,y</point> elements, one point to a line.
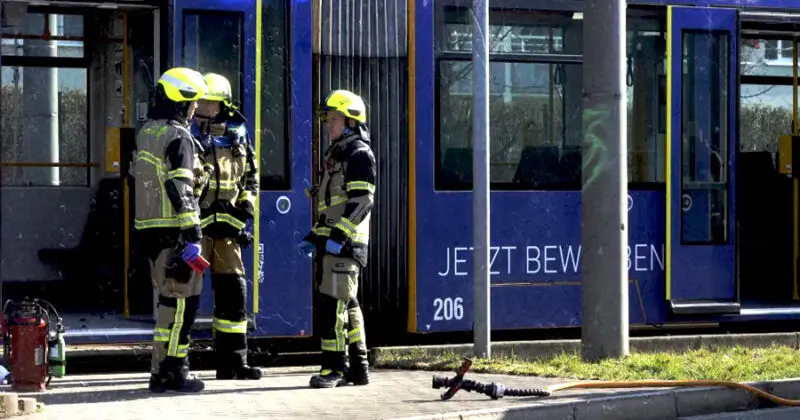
<point>230,302</point>
<point>179,289</point>
<point>340,317</point>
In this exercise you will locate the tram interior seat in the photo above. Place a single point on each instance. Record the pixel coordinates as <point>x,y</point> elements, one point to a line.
<point>457,166</point>
<point>539,167</point>
<point>571,167</point>
<point>94,267</point>
<point>763,212</point>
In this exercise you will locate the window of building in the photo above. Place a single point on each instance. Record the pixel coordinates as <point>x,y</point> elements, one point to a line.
<point>536,100</point>
<point>45,107</point>
<point>777,49</point>
<point>765,57</point>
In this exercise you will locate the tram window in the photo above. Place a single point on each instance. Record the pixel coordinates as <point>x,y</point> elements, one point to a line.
<point>765,114</point>
<point>30,95</point>
<point>24,35</point>
<point>647,101</point>
<point>275,150</point>
<point>704,131</point>
<point>765,111</point>
<point>535,115</point>
<point>536,103</point>
<point>765,57</point>
<point>519,32</point>
<point>212,42</point>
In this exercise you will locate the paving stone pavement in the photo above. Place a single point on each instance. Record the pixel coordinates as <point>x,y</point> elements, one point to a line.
<point>283,393</point>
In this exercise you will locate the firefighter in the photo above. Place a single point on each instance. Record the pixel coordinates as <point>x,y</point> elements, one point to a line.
<point>344,201</point>
<point>168,178</point>
<point>225,209</point>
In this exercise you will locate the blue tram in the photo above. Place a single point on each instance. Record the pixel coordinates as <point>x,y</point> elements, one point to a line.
<point>712,117</point>
<point>700,200</point>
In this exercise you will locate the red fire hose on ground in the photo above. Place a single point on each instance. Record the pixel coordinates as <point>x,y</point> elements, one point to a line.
<point>497,390</point>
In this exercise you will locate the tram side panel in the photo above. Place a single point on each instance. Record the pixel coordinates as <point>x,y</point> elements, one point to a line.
<point>535,259</point>
<point>536,238</point>
<point>280,275</point>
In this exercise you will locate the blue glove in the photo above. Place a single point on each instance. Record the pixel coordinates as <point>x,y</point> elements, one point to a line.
<point>307,248</point>
<point>333,247</point>
<point>191,251</point>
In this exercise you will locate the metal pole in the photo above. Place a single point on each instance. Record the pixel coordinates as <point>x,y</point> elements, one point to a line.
<point>2,155</point>
<point>480,170</point>
<point>795,191</point>
<point>604,273</point>
<point>40,105</point>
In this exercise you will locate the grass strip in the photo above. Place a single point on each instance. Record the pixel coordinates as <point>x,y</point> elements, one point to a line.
<point>739,364</point>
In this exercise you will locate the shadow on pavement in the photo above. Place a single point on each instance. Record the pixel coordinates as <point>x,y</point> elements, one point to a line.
<point>120,395</point>
<point>95,383</point>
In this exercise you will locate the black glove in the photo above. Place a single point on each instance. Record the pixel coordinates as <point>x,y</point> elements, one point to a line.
<point>192,234</point>
<point>176,268</point>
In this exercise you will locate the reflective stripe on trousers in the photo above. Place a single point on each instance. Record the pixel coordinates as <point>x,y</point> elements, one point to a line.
<point>171,336</point>
<point>231,327</point>
<point>339,341</point>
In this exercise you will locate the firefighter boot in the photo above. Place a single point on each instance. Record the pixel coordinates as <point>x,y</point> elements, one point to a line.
<point>157,381</point>
<point>174,376</point>
<point>243,372</point>
<point>358,371</point>
<point>332,371</point>
<point>235,367</point>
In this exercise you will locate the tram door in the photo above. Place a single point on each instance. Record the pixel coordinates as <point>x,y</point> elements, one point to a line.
<point>702,45</point>
<point>247,41</point>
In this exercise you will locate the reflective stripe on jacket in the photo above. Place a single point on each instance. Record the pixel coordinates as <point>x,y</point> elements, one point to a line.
<point>233,183</point>
<point>169,177</point>
<point>345,197</point>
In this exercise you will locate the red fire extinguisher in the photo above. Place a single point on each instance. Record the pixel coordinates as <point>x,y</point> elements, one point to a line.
<point>25,340</point>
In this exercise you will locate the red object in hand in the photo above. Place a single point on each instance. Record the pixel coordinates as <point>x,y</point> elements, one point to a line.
<point>199,264</point>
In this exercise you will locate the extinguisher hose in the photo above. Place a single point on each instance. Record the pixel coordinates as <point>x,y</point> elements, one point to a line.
<point>6,343</point>
<point>57,324</point>
<point>49,309</point>
<point>5,316</point>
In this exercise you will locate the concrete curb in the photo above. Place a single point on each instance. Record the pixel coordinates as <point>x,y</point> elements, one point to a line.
<point>524,349</point>
<point>671,403</point>
<point>82,351</point>
<point>11,405</point>
<point>532,350</point>
<point>132,350</point>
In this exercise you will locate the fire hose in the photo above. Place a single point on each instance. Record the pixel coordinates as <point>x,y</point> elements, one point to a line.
<point>496,390</point>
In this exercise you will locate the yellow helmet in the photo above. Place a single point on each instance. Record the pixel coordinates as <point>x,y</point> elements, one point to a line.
<point>346,102</point>
<point>219,89</point>
<point>183,85</point>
